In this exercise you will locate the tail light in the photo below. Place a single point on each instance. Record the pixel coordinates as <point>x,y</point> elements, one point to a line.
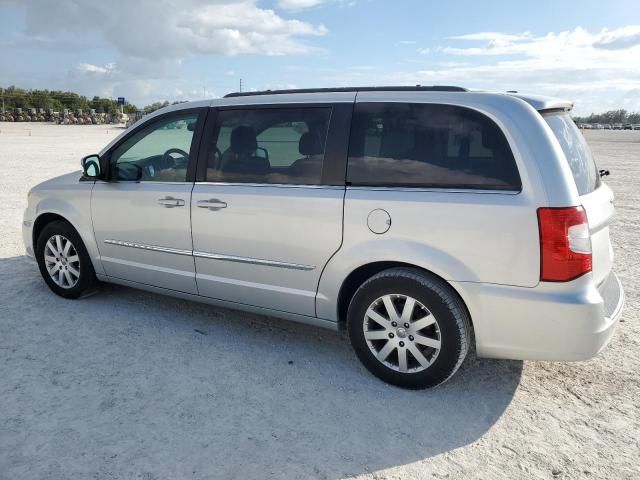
<point>565,243</point>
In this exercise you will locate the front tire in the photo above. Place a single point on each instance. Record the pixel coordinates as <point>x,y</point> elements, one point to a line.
<point>409,328</point>
<point>63,260</point>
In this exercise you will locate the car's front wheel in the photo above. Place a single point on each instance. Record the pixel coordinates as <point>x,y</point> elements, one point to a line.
<point>409,328</point>
<point>63,260</point>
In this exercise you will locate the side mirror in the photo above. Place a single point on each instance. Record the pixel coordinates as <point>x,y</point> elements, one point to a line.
<point>91,166</point>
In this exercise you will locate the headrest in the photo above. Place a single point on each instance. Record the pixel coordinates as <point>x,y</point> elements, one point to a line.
<point>309,145</point>
<point>243,139</point>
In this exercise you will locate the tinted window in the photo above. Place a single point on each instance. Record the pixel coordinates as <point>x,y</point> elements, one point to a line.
<point>424,145</point>
<point>158,152</point>
<point>577,152</point>
<point>269,146</point>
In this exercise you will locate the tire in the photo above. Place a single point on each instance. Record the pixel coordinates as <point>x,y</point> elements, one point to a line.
<point>423,355</point>
<point>64,281</point>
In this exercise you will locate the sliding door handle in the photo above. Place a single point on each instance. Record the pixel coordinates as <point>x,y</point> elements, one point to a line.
<point>170,202</point>
<point>212,204</point>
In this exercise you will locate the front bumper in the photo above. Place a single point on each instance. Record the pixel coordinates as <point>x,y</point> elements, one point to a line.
<point>27,237</point>
<point>553,321</point>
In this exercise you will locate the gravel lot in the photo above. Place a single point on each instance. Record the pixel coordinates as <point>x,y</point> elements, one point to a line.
<point>126,384</point>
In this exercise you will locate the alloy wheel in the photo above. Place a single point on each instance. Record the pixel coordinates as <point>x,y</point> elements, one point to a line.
<point>62,261</point>
<point>402,333</point>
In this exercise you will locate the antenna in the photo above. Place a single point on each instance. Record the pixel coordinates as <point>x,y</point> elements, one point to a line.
<point>241,85</point>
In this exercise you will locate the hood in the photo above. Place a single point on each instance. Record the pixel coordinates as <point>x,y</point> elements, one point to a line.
<point>66,179</point>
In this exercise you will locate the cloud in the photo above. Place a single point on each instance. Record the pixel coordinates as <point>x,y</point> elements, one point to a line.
<point>492,36</point>
<point>621,38</point>
<point>90,69</point>
<point>298,4</point>
<point>241,27</point>
<point>552,44</point>
<point>598,70</point>
<point>148,41</point>
<point>143,29</point>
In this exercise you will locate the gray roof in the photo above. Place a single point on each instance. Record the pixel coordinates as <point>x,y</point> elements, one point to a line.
<point>344,95</point>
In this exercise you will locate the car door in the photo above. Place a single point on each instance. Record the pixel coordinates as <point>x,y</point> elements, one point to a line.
<point>267,207</point>
<point>141,212</point>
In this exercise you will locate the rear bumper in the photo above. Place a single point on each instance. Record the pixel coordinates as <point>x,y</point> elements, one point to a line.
<point>553,321</point>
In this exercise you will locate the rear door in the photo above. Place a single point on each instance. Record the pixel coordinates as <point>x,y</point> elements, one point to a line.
<point>141,214</point>
<point>267,207</point>
<point>595,196</point>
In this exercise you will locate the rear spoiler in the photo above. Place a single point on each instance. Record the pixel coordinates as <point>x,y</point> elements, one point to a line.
<point>545,104</point>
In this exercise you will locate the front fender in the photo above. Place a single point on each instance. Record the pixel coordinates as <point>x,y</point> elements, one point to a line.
<point>348,259</point>
<point>74,205</point>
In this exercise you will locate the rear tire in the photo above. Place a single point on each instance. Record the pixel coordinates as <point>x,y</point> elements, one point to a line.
<point>409,328</point>
<point>63,260</point>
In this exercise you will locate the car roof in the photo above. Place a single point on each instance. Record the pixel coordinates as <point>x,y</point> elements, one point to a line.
<point>348,94</point>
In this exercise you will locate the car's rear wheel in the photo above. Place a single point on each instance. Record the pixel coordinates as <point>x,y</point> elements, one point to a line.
<point>409,328</point>
<point>63,260</point>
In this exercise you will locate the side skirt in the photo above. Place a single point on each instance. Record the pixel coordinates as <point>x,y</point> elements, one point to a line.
<point>294,317</point>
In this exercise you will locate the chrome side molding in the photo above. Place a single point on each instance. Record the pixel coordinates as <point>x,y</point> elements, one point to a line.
<point>211,256</point>
<point>153,248</point>
<point>253,261</point>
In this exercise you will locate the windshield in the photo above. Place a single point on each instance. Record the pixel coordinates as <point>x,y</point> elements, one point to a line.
<point>577,152</point>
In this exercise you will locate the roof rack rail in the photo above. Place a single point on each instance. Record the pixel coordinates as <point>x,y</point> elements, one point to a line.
<point>416,88</point>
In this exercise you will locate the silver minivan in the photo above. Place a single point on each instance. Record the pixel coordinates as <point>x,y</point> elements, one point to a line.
<point>418,219</point>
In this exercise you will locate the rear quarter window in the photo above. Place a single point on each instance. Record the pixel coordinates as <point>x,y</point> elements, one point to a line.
<point>577,152</point>
<point>428,145</point>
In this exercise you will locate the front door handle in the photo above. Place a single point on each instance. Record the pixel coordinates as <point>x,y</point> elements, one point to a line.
<point>170,202</point>
<point>212,204</point>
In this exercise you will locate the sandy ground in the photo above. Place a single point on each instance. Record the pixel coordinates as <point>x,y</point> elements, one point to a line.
<point>127,384</point>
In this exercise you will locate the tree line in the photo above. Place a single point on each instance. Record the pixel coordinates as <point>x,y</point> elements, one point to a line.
<point>610,117</point>
<point>58,100</point>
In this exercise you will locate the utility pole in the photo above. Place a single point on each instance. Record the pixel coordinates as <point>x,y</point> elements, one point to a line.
<point>241,85</point>
<point>2,93</point>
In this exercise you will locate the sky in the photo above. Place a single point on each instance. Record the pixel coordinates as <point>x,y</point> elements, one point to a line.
<point>152,50</point>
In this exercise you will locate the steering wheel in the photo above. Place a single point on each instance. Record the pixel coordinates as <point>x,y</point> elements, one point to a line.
<point>169,162</point>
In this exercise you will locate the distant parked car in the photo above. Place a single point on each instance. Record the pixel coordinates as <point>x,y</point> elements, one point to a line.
<point>588,126</point>
<point>636,126</point>
<point>628,126</point>
<point>617,126</point>
<point>608,126</point>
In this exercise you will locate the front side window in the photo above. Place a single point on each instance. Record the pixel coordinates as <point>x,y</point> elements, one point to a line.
<point>159,152</point>
<point>270,145</point>
<point>428,145</point>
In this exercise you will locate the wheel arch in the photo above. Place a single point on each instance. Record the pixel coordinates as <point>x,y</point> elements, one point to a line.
<point>358,276</point>
<point>42,221</point>
<point>47,216</point>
